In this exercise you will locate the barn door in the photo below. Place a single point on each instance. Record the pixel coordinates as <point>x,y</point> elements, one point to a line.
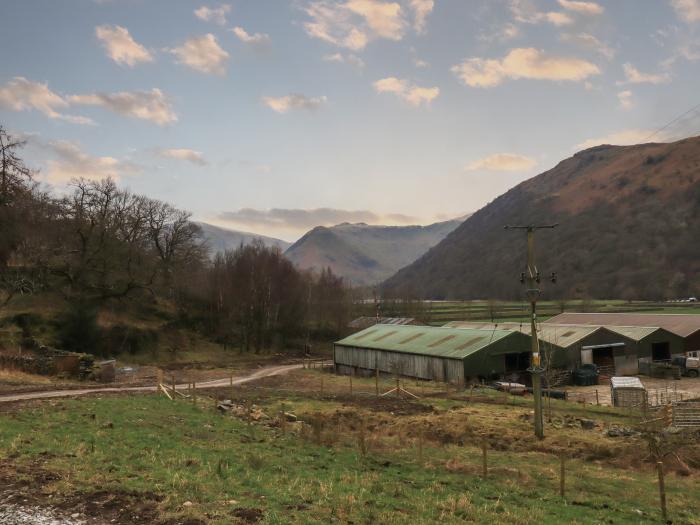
<point>587,356</point>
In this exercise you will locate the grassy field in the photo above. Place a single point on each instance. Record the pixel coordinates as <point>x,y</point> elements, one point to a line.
<point>145,459</point>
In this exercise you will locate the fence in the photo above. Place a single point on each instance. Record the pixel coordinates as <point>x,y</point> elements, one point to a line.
<point>686,414</point>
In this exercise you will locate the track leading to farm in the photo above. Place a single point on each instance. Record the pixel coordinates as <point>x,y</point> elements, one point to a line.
<point>214,383</point>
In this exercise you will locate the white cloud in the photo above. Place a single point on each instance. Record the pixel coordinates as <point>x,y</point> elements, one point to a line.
<point>414,95</point>
<point>213,14</point>
<point>421,11</point>
<point>625,98</point>
<point>688,10</point>
<point>525,11</point>
<point>420,63</point>
<point>20,94</point>
<point>203,54</point>
<point>502,162</point>
<point>586,8</point>
<point>523,63</point>
<point>589,41</point>
<point>634,76</point>
<point>121,47</point>
<point>152,105</point>
<point>353,23</point>
<point>293,101</point>
<point>71,162</point>
<point>347,58</point>
<point>256,39</point>
<point>618,138</point>
<point>305,219</point>
<point>189,155</point>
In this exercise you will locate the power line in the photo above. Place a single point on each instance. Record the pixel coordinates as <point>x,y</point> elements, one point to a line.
<point>694,108</point>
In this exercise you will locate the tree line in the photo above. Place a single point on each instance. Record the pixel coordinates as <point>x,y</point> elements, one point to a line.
<point>99,244</point>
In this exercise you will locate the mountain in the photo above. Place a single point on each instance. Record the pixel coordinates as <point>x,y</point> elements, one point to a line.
<point>629,224</point>
<point>222,239</point>
<point>366,254</point>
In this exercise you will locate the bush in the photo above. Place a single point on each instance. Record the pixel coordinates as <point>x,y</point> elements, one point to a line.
<point>78,330</point>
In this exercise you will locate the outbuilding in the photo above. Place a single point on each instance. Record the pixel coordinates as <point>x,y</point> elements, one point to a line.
<point>433,353</point>
<point>659,337</point>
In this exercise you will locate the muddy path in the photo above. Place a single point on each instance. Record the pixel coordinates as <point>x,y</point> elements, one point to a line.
<point>267,371</point>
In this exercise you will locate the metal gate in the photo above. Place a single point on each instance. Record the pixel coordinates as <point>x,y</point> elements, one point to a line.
<point>686,414</point>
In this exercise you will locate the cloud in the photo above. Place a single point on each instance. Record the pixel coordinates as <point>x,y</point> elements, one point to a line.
<point>256,39</point>
<point>152,105</point>
<point>71,162</point>
<point>420,63</point>
<point>347,58</point>
<point>525,11</point>
<point>625,98</point>
<point>634,76</point>
<point>213,14</point>
<point>202,54</point>
<point>502,162</point>
<point>588,41</point>
<point>293,101</point>
<point>121,47</point>
<point>189,155</point>
<point>421,11</point>
<point>687,10</point>
<point>410,93</point>
<point>354,23</point>
<point>20,94</point>
<point>586,8</point>
<point>305,219</point>
<point>523,63</point>
<point>618,138</point>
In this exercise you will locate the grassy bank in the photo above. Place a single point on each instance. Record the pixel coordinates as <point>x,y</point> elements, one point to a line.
<point>152,460</point>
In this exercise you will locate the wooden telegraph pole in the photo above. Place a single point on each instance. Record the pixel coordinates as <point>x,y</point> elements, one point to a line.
<point>532,279</point>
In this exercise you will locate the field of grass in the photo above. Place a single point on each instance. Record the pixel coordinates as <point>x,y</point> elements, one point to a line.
<point>151,460</point>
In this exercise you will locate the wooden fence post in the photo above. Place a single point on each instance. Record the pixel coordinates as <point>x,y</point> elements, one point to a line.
<point>376,381</point>
<point>173,378</point>
<point>662,490</point>
<point>484,459</point>
<point>597,399</point>
<point>562,475</point>
<point>350,376</point>
<point>159,377</point>
<point>194,393</point>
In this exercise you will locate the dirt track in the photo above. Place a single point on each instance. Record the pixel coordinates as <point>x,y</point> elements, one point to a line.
<point>216,383</point>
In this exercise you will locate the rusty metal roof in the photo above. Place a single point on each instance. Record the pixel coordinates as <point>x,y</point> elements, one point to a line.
<point>450,343</point>
<point>559,335</point>
<point>679,324</point>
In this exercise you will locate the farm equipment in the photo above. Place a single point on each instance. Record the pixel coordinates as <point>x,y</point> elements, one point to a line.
<point>586,375</point>
<point>689,366</point>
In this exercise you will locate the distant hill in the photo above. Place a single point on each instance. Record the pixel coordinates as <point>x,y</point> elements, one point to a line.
<point>222,239</point>
<point>629,227</point>
<point>366,254</point>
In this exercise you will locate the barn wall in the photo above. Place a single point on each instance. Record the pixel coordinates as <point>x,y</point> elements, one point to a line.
<point>409,365</point>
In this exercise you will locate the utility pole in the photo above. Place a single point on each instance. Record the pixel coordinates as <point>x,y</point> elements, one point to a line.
<point>532,279</point>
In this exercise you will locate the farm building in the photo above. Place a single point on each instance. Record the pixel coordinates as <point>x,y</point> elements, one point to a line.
<point>615,349</point>
<point>427,352</point>
<point>365,322</point>
<point>678,332</point>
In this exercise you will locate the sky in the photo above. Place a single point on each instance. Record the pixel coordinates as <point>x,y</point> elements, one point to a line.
<point>275,116</point>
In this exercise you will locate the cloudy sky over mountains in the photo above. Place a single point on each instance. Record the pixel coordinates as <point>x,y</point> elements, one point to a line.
<point>274,115</point>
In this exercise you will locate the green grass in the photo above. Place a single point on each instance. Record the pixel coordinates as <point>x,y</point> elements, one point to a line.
<point>219,463</point>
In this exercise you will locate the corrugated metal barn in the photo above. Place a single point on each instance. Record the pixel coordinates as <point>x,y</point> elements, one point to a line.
<point>685,326</point>
<point>427,352</point>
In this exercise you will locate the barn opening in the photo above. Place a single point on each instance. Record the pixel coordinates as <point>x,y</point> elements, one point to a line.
<point>660,351</point>
<point>517,362</point>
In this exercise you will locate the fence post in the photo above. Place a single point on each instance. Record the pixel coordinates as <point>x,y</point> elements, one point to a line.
<point>398,386</point>
<point>597,399</point>
<point>484,459</point>
<point>350,376</point>
<point>159,377</point>
<point>194,393</point>
<point>173,378</point>
<point>562,475</point>
<point>662,490</point>
<point>376,381</point>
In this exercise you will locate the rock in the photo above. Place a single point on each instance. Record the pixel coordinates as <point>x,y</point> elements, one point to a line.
<point>587,424</point>
<point>290,417</point>
<point>187,504</point>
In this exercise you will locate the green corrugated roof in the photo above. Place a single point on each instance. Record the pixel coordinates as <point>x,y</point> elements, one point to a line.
<point>453,343</point>
<point>560,335</point>
<point>636,333</point>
